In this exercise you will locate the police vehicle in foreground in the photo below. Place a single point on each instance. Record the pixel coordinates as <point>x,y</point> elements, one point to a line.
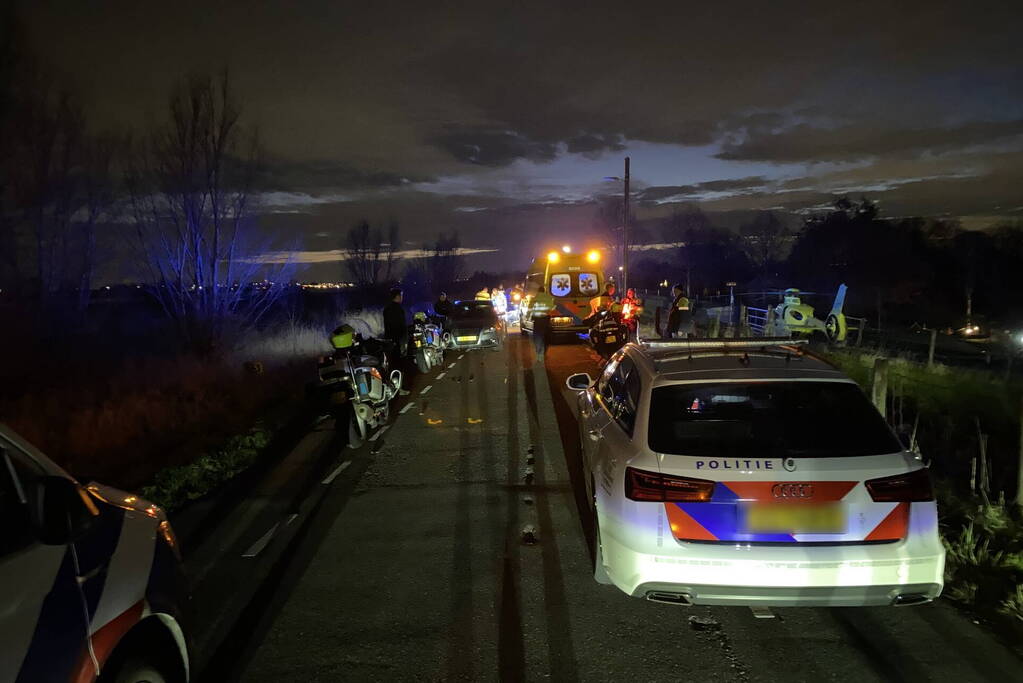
<point>90,579</point>
<point>747,472</point>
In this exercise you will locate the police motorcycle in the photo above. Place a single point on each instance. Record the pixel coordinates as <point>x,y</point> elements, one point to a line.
<point>426,342</point>
<point>608,333</point>
<point>357,384</point>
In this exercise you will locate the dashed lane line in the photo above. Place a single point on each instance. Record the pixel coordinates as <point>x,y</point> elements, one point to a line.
<point>452,365</point>
<point>426,389</point>
<point>259,546</point>
<point>441,375</point>
<point>380,433</point>
<point>333,475</point>
<point>406,408</point>
<point>291,518</point>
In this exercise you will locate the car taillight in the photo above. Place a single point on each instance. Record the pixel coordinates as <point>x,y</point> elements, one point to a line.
<point>911,487</point>
<point>653,486</point>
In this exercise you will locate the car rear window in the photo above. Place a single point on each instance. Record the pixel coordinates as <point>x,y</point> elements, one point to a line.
<point>767,419</point>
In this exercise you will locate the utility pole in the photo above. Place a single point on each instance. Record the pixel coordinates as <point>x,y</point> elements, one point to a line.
<point>625,233</point>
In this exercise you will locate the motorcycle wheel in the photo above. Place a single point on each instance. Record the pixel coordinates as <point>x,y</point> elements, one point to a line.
<point>354,437</point>
<point>422,364</point>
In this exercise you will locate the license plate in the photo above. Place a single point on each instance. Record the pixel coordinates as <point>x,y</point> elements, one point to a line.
<point>472,338</point>
<point>610,338</point>
<point>802,518</point>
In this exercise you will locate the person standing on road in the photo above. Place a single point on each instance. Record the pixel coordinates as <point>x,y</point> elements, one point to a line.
<point>396,329</point>
<point>543,303</point>
<point>443,307</point>
<point>680,318</point>
<point>395,322</point>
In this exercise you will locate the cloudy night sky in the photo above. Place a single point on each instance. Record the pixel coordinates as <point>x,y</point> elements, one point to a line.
<point>498,119</point>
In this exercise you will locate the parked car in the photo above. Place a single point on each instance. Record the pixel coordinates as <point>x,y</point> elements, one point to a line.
<point>91,580</point>
<point>474,324</point>
<point>747,472</point>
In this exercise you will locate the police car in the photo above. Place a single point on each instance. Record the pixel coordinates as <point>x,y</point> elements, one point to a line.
<point>748,472</point>
<point>90,578</point>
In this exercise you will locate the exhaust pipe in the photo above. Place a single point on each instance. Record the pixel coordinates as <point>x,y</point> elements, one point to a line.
<point>669,598</point>
<point>910,599</point>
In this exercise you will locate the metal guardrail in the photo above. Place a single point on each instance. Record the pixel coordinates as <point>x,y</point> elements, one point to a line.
<point>757,320</point>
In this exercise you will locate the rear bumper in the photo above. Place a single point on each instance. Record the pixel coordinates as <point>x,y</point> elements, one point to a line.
<point>740,574</point>
<point>775,596</point>
<point>484,342</point>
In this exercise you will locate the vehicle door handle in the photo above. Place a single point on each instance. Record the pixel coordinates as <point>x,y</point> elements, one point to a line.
<point>594,435</point>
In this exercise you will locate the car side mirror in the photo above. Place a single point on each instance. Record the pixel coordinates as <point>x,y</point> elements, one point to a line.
<point>580,381</point>
<point>63,510</point>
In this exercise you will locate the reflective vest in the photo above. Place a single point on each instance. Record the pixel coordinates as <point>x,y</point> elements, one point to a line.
<point>483,295</point>
<point>632,308</point>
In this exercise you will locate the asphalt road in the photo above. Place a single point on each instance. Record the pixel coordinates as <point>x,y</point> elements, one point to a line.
<point>454,547</point>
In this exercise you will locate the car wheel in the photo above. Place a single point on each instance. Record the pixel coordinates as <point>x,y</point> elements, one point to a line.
<point>599,573</point>
<point>138,671</point>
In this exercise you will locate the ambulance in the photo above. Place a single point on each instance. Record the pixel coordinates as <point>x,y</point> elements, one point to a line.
<point>572,279</point>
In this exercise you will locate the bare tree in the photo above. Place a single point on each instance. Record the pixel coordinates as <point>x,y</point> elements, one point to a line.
<point>189,185</point>
<point>764,239</point>
<point>446,262</point>
<point>368,256</point>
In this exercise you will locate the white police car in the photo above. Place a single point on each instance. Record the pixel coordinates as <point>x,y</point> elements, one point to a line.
<point>746,472</point>
<point>90,579</point>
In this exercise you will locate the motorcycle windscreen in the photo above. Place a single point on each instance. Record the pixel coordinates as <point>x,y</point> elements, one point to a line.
<point>369,384</point>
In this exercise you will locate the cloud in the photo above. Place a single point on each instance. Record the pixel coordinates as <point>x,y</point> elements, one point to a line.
<point>805,142</point>
<point>487,146</point>
<point>338,255</point>
<point>594,145</point>
<point>732,185</point>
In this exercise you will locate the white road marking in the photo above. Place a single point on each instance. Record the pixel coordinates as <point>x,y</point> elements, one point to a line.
<point>461,357</point>
<point>333,475</point>
<point>260,545</point>
<point>291,518</point>
<point>762,612</point>
<point>452,365</point>
<point>406,408</point>
<point>441,375</point>
<point>382,430</point>
<point>426,389</point>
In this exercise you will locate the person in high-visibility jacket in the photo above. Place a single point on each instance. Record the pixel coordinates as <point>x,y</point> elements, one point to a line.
<point>500,300</point>
<point>680,317</point>
<point>540,310</point>
<point>631,306</point>
<point>483,295</point>
<point>632,309</point>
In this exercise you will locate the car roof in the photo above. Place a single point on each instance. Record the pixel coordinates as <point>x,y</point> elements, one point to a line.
<point>731,360</point>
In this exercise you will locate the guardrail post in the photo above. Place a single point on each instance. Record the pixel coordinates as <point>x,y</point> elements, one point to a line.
<point>879,387</point>
<point>714,329</point>
<point>859,332</point>
<point>930,348</point>
<point>740,328</point>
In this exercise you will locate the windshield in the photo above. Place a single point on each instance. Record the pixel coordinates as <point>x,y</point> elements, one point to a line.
<point>473,309</point>
<point>772,419</point>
